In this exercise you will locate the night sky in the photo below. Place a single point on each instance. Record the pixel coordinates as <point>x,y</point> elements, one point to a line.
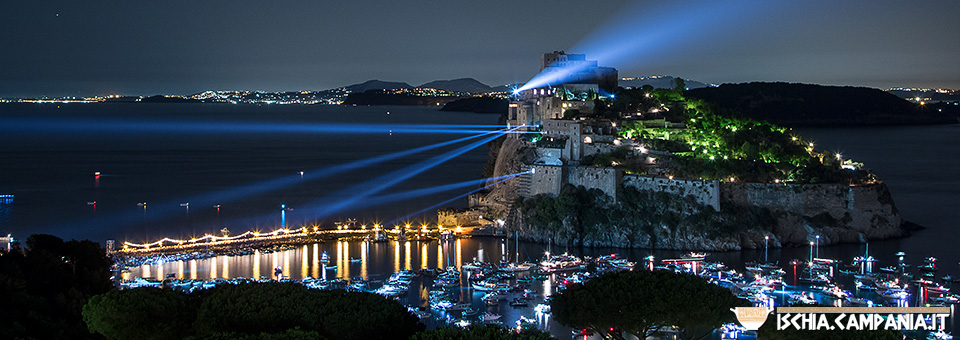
<point>80,48</point>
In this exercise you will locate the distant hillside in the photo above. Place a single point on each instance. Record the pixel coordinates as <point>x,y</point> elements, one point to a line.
<point>377,85</point>
<point>378,97</point>
<point>816,105</point>
<point>660,82</point>
<point>458,85</point>
<point>505,88</point>
<point>478,105</point>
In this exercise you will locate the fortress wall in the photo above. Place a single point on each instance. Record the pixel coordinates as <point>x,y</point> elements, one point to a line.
<point>706,192</point>
<point>593,177</point>
<point>546,179</point>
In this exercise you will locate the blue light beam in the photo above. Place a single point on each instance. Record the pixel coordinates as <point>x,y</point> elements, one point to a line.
<point>208,127</point>
<point>352,196</point>
<point>643,32</point>
<point>450,200</point>
<point>171,207</point>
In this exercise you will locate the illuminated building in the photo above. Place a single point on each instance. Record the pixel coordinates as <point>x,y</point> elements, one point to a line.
<point>567,83</point>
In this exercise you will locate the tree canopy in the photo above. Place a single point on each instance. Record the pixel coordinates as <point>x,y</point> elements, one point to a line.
<point>141,313</point>
<point>481,332</point>
<point>641,302</point>
<point>251,310</point>
<point>45,286</point>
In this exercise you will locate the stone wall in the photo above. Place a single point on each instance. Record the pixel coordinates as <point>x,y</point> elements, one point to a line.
<point>458,217</point>
<point>545,179</point>
<point>706,192</point>
<point>606,179</point>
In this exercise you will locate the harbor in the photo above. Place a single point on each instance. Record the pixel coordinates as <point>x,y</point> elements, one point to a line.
<point>460,281</point>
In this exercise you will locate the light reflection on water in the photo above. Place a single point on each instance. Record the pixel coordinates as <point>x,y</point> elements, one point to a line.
<point>432,255</point>
<point>379,260</point>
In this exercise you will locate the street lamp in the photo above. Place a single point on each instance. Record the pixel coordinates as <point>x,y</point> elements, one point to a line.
<point>766,239</point>
<point>818,246</point>
<point>811,252</point>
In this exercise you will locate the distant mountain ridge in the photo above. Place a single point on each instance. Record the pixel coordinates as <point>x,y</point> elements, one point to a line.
<point>376,84</point>
<point>458,85</point>
<point>475,86</point>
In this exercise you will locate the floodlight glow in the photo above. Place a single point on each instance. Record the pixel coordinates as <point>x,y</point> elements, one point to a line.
<point>654,34</point>
<point>357,195</point>
<point>453,199</point>
<point>170,208</point>
<point>361,191</point>
<point>390,198</point>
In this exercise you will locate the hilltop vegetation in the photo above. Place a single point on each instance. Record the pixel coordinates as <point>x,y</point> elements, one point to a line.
<point>816,105</point>
<point>697,142</point>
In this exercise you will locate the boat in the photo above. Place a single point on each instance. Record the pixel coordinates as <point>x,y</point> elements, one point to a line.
<point>802,298</point>
<point>542,308</point>
<point>893,293</point>
<point>488,286</point>
<point>518,303</point>
<point>561,263</point>
<point>475,265</point>
<point>514,267</point>
<point>489,317</point>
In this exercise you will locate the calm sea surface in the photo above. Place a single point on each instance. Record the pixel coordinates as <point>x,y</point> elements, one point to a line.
<point>51,175</point>
<point>50,169</point>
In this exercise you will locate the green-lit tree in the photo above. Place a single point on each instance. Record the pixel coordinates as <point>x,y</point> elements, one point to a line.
<point>641,302</point>
<point>141,313</point>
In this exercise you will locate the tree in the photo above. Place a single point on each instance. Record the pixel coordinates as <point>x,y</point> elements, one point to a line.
<point>141,313</point>
<point>274,308</point>
<point>45,286</point>
<point>679,84</point>
<point>353,315</point>
<point>480,332</point>
<point>641,302</point>
<point>258,308</point>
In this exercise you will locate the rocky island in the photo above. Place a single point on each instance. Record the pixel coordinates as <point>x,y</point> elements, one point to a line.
<point>652,168</point>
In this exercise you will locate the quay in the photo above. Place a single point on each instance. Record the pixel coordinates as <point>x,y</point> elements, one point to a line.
<point>289,237</point>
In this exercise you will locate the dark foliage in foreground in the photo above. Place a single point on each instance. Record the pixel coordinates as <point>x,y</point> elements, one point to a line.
<point>640,303</point>
<point>252,310</point>
<point>481,332</point>
<point>45,285</point>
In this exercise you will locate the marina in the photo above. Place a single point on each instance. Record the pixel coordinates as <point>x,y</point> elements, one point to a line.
<point>500,281</point>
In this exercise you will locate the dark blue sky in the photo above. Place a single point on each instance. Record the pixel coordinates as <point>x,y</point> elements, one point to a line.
<point>140,47</point>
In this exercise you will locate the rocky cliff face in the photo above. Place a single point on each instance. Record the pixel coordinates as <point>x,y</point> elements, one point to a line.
<point>798,213</point>
<point>510,160</point>
<point>838,213</point>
